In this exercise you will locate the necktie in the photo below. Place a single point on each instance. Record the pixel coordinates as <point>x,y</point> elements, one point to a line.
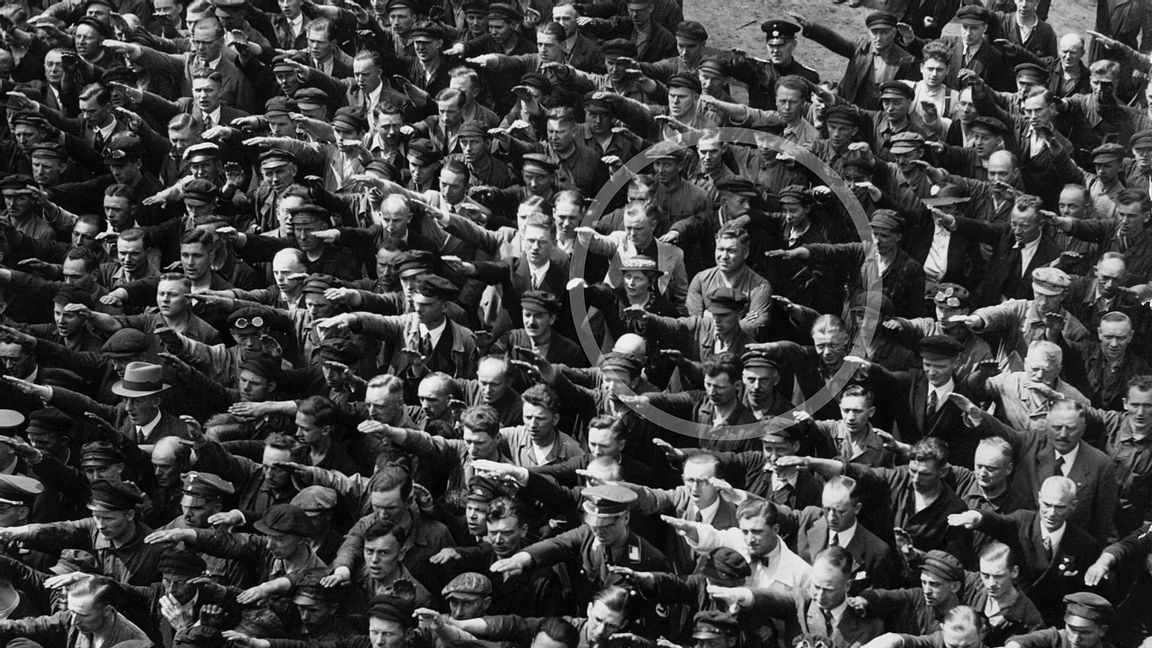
<point>139,434</point>
<point>1048,546</point>
<point>426,345</point>
<point>1060,465</point>
<point>835,541</point>
<point>208,122</point>
<point>828,627</point>
<point>97,140</point>
<point>535,281</point>
<point>933,401</point>
<point>698,516</point>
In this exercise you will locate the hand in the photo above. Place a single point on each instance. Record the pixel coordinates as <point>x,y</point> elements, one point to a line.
<point>1010,49</point>
<point>444,556</point>
<point>971,321</point>
<point>943,218</point>
<point>534,360</point>
<point>733,596</point>
<point>20,447</point>
<point>514,565</point>
<point>635,313</point>
<point>967,519</point>
<point>593,480</point>
<point>728,491</point>
<point>673,123</point>
<point>532,18</point>
<point>1044,390</point>
<point>212,615</point>
<point>253,595</point>
<point>244,641</point>
<point>501,471</point>
<point>226,518</point>
<point>194,429</point>
<point>861,363</point>
<point>794,253</point>
<point>21,102</point>
<point>673,454</point>
<point>16,336</point>
<point>967,406</point>
<point>170,339</point>
<point>799,20</point>
<point>612,161</point>
<point>339,576</point>
<point>1104,40</point>
<point>904,32</point>
<point>169,536</point>
<point>42,392</point>
<point>988,368</point>
<point>456,50</point>
<point>1099,571</point>
<point>135,95</point>
<point>670,236</point>
<point>64,581</point>
<point>685,528</point>
<point>177,617</point>
<point>1054,320</point>
<point>858,604</point>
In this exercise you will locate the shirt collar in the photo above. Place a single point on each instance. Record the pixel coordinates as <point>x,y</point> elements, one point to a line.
<point>146,429</point>
<point>1070,458</point>
<point>708,513</point>
<point>845,536</point>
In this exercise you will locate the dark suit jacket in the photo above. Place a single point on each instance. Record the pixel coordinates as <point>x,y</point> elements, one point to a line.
<point>963,254</point>
<point>802,618</point>
<point>515,278</point>
<point>1045,580</point>
<point>989,62</point>
<point>875,564</point>
<point>857,76</point>
<point>585,55</point>
<point>1003,274</point>
<point>908,392</point>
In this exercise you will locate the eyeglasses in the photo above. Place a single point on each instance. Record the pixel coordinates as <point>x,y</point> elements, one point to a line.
<point>242,323</point>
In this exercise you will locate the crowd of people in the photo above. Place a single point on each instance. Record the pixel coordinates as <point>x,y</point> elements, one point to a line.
<point>322,326</point>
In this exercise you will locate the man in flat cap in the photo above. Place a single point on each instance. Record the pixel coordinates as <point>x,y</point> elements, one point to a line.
<point>872,60</point>
<point>1054,554</point>
<point>91,618</point>
<point>112,533</point>
<point>539,310</point>
<point>1087,616</point>
<point>653,42</point>
<point>202,495</point>
<point>973,49</point>
<point>1125,232</point>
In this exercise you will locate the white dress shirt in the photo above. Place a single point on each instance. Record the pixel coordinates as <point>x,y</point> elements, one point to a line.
<point>434,334</point>
<point>936,263</point>
<point>941,392</point>
<point>1069,459</point>
<point>142,431</point>
<point>842,537</point>
<point>1054,537</point>
<point>1027,251</point>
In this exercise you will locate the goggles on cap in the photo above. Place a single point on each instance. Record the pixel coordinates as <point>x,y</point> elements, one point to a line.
<point>946,297</point>
<point>115,154</point>
<point>242,323</point>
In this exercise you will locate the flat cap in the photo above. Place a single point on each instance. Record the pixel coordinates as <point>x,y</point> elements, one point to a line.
<point>201,151</point>
<point>401,4</point>
<point>126,342</point>
<point>305,214</point>
<point>49,420</point>
<point>424,151</point>
<point>17,183</point>
<point>1050,281</point>
<point>1110,152</point>
<point>19,490</point>
<point>689,81</point>
<point>759,359</point>
<point>943,564</point>
<point>436,286</point>
<point>181,562</point>
<point>283,519</point>
<point>617,362</point>
<point>468,584</point>
<point>540,163</point>
<point>1037,72</point>
<point>309,98</point>
<point>896,90</point>
<point>229,4</point>
<point>842,114</point>
<point>351,118</point>
<point>387,607</point>
<point>102,28</point>
<point>952,295</point>
<point>276,157</point>
<point>990,124</point>
<point>538,81</point>
<point>283,63</point>
<point>725,563</point>
<point>48,150</point>
<point>1141,139</point>
<point>99,454</point>
<point>714,624</point>
<point>473,128</point>
<point>794,193</point>
<point>723,300</point>
<point>880,19</point>
<point>738,185</point>
<point>607,500</point>
<point>31,119</point>
<point>476,7</point>
<point>540,300</point>
<point>114,496</point>
<point>310,588</point>
<point>315,500</point>
<point>906,142</point>
<point>619,47</point>
<point>778,31</point>
<point>426,29</point>
<point>75,560</point>
<point>946,194</point>
<point>340,350</point>
<point>1087,605</point>
<point>199,190</point>
<point>691,30</point>
<point>280,107</point>
<point>714,66</point>
<point>123,148</point>
<point>641,263</point>
<point>196,485</point>
<point>972,14</point>
<point>413,262</point>
<point>887,220</point>
<point>317,283</point>
<point>57,377</point>
<point>594,102</point>
<point>940,347</point>
<point>483,489</point>
<point>504,11</point>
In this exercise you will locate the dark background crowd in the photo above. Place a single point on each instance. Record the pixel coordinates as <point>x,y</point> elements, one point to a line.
<point>322,325</point>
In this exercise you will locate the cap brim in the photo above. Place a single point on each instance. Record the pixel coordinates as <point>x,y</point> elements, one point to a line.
<point>1050,292</point>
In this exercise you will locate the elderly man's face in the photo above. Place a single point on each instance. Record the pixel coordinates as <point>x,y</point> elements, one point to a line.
<point>1065,429</point>
<point>992,468</point>
<point>1055,507</point>
<point>1041,368</point>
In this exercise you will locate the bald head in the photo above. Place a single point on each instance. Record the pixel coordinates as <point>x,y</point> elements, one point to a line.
<point>170,449</point>
<point>633,344</point>
<point>1071,40</point>
<point>1002,157</point>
